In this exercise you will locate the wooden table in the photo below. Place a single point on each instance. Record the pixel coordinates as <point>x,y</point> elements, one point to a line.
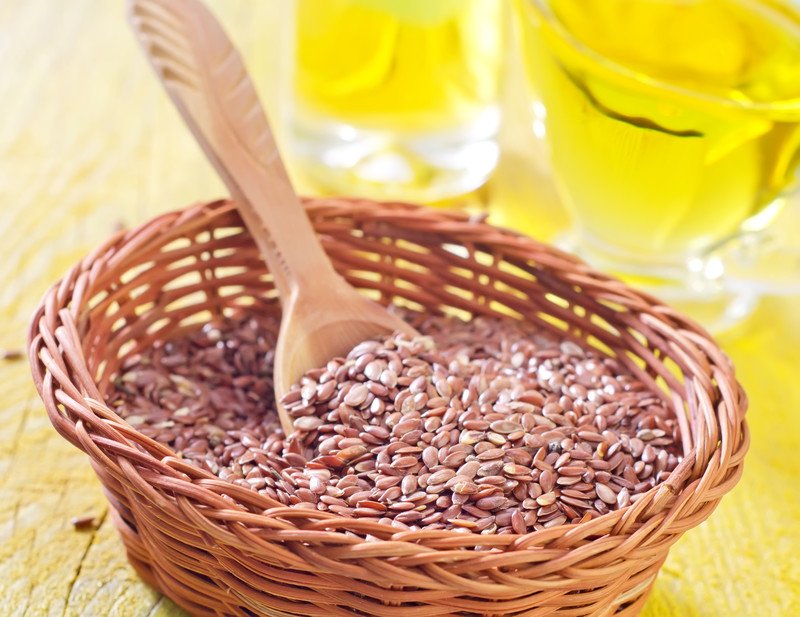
<point>88,140</point>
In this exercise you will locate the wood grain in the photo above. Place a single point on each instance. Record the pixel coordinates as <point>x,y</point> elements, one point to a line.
<point>87,139</point>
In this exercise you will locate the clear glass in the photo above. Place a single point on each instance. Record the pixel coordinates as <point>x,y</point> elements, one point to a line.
<point>396,98</point>
<point>673,128</point>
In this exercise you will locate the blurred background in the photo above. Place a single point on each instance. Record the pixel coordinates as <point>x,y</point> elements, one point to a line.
<point>413,103</point>
<point>90,144</point>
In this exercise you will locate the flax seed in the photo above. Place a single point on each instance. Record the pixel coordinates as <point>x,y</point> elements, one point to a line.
<point>433,432</point>
<point>82,523</point>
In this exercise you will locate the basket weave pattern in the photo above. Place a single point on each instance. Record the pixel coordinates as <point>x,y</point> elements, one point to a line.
<point>219,549</point>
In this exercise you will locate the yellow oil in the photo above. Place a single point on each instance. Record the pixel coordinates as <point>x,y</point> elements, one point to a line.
<point>399,65</point>
<point>669,122</point>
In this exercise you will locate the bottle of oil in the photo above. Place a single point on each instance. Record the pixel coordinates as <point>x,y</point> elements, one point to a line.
<point>396,98</point>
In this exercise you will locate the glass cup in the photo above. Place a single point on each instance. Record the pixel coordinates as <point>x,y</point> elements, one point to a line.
<point>396,99</point>
<point>673,128</point>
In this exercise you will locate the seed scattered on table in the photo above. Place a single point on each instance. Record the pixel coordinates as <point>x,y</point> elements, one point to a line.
<point>85,522</point>
<point>484,427</point>
<point>10,354</point>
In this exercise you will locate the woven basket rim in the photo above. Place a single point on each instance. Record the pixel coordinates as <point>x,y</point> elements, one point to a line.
<point>661,503</point>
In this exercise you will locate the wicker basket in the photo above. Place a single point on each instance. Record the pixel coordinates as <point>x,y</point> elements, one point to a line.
<point>219,549</point>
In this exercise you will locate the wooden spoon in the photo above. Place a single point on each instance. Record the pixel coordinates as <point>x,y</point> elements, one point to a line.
<point>323,316</point>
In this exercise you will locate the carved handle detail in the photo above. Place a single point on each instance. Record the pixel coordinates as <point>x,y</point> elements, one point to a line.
<point>203,59</point>
<point>206,78</point>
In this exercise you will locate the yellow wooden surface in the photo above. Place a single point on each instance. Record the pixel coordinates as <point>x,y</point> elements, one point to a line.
<point>87,139</point>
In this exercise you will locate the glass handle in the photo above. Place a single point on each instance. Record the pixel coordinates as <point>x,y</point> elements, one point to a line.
<point>763,262</point>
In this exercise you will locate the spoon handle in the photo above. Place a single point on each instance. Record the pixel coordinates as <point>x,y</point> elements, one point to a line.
<point>207,81</point>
